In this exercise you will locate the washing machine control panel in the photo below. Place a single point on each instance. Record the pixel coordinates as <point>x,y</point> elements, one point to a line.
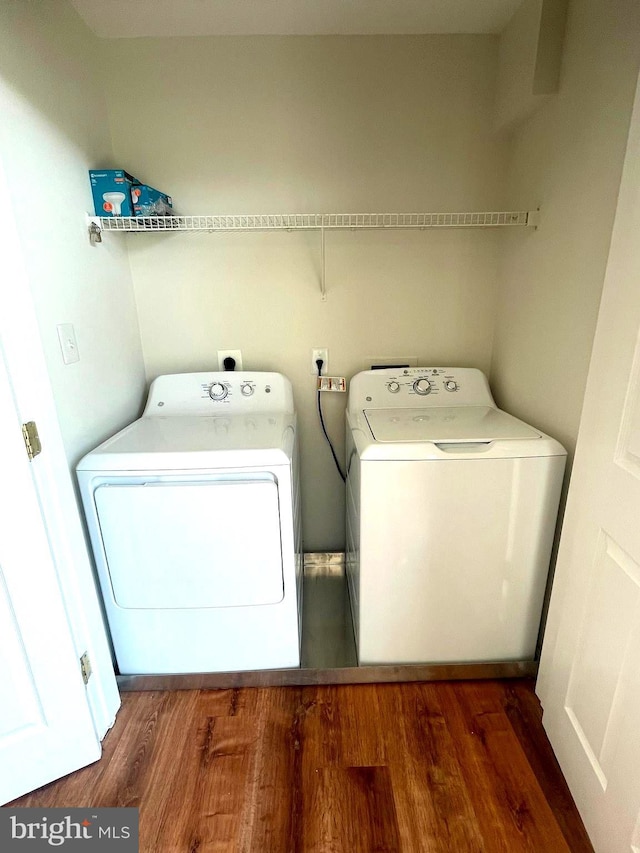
<point>220,391</point>
<point>423,386</point>
<point>413,387</point>
<point>235,391</point>
<point>422,381</point>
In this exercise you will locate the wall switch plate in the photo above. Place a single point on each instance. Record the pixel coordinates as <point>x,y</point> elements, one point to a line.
<point>230,353</point>
<point>323,353</point>
<point>68,343</point>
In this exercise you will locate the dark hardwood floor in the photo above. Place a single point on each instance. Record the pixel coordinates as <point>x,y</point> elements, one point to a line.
<point>441,767</point>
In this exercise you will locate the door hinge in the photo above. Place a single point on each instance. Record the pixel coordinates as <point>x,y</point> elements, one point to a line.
<point>85,667</point>
<point>31,439</point>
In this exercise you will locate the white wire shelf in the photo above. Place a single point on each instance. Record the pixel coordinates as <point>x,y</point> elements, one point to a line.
<point>321,222</point>
<point>313,221</point>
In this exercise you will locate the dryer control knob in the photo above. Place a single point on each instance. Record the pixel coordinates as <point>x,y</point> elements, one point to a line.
<point>218,391</point>
<point>422,387</point>
<point>394,387</point>
<point>246,390</point>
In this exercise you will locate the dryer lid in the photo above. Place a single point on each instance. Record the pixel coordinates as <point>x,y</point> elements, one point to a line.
<point>447,425</point>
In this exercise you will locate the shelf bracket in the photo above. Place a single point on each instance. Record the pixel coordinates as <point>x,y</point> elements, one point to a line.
<point>95,230</point>
<point>323,287</point>
<point>533,218</point>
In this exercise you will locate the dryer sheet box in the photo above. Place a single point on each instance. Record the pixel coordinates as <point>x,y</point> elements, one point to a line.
<point>117,193</point>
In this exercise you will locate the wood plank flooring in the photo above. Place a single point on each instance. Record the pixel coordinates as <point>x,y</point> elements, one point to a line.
<point>440,767</point>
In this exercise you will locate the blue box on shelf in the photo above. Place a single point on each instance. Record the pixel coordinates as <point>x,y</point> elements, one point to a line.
<point>117,193</point>
<point>112,191</point>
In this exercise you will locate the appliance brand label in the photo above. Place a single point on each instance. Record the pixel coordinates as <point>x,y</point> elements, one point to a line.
<point>64,829</point>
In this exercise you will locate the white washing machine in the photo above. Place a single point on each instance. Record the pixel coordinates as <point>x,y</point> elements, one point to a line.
<point>194,517</point>
<point>451,510</point>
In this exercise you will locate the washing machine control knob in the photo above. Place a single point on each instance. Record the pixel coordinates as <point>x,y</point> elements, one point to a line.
<point>450,385</point>
<point>246,389</point>
<point>394,387</point>
<point>422,387</point>
<point>218,391</point>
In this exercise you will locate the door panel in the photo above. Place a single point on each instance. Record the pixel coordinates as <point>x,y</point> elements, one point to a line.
<point>46,728</point>
<point>21,708</point>
<point>628,448</point>
<point>598,674</point>
<point>192,545</point>
<point>589,679</point>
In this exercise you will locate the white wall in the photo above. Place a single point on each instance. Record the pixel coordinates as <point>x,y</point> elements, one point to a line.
<point>567,158</point>
<point>54,128</point>
<point>317,124</point>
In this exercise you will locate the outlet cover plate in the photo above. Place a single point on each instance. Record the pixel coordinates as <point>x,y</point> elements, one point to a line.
<point>323,353</point>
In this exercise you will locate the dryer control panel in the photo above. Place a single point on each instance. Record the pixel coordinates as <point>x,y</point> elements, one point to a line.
<point>413,387</point>
<point>219,392</point>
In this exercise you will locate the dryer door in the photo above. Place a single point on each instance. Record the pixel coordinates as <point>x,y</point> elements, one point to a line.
<point>192,544</point>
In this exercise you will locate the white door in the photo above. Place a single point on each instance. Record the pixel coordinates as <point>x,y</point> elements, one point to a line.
<point>46,728</point>
<point>589,680</point>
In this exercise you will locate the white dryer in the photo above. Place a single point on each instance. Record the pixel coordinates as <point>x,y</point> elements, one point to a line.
<point>194,516</point>
<point>451,510</point>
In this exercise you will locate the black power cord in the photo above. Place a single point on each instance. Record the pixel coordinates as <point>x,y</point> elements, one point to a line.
<point>319,363</point>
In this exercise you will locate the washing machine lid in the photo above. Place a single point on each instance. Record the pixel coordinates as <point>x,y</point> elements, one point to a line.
<point>194,442</point>
<point>458,425</point>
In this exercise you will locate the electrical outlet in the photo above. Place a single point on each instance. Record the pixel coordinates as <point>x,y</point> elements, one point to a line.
<point>229,353</point>
<point>323,353</point>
